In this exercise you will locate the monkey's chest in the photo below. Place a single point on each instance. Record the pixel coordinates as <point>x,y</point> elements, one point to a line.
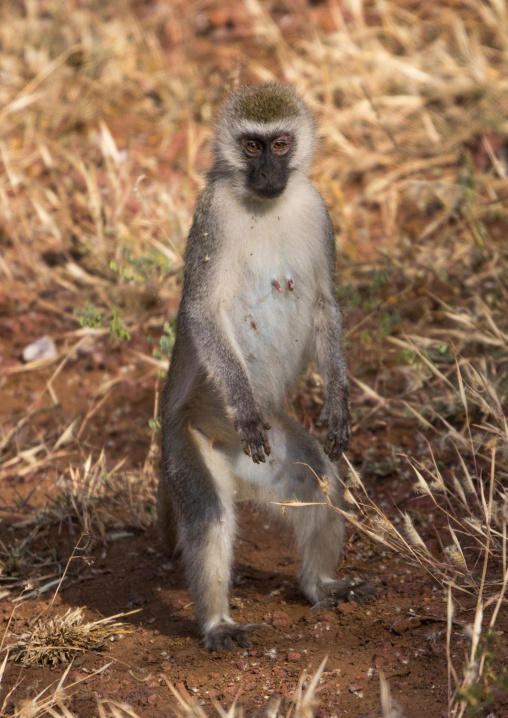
<point>272,320</point>
<point>266,311</point>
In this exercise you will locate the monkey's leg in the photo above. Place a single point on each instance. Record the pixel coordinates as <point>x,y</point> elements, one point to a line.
<point>292,471</point>
<point>201,485</point>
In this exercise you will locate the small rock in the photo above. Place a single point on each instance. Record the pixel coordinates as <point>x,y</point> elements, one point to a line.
<point>294,656</point>
<point>43,348</point>
<point>77,676</point>
<point>325,617</point>
<point>355,688</point>
<point>135,600</point>
<point>281,620</point>
<point>438,648</point>
<point>386,654</point>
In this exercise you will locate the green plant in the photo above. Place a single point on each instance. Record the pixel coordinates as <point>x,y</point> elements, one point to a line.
<point>141,270</point>
<point>479,694</point>
<point>90,316</point>
<point>93,317</point>
<point>163,347</point>
<point>116,326</point>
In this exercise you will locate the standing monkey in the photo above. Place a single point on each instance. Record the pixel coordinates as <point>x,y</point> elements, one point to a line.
<point>257,305</point>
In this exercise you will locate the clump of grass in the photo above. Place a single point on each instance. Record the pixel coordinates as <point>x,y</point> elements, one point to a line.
<point>470,534</point>
<point>97,497</point>
<point>56,641</point>
<point>18,560</point>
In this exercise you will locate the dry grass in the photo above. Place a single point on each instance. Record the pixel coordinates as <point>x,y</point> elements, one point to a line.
<point>57,640</point>
<point>47,702</point>
<point>105,121</point>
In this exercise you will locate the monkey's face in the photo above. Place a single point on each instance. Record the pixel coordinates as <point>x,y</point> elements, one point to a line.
<point>267,163</point>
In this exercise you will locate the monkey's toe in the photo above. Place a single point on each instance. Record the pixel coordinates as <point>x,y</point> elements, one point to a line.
<point>336,592</point>
<point>225,635</point>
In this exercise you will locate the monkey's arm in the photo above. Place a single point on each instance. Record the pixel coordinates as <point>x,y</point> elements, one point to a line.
<point>218,358</point>
<point>332,364</point>
<point>202,320</point>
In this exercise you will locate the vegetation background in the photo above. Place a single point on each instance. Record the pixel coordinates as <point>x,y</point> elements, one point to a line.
<point>106,113</point>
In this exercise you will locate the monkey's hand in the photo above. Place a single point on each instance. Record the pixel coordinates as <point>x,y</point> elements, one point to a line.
<point>337,417</point>
<point>252,429</point>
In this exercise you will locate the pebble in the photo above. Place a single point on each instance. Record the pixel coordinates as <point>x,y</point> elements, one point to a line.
<point>281,620</point>
<point>43,348</point>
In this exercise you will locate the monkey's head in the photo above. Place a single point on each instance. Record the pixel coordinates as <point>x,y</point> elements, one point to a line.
<point>264,134</point>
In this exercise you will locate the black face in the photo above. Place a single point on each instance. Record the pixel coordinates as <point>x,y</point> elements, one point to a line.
<point>267,164</point>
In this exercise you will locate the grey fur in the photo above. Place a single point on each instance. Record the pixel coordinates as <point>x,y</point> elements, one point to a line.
<point>258,303</point>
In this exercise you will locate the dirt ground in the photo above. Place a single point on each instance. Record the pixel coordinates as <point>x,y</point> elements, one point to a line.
<point>401,635</point>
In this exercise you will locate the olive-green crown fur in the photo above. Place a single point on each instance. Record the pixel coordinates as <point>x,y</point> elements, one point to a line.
<point>265,103</point>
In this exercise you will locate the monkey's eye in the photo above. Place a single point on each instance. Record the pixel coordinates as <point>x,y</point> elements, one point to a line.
<point>253,146</point>
<point>281,145</point>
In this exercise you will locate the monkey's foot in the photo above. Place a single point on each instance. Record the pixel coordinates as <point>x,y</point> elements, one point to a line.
<point>349,589</point>
<point>224,635</point>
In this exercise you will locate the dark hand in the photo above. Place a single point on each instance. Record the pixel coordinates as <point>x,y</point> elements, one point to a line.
<point>252,431</point>
<point>338,437</point>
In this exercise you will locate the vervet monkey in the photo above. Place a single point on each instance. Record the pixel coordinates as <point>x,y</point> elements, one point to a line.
<point>258,304</point>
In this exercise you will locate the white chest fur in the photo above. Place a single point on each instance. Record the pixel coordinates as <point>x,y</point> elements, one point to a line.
<point>266,287</point>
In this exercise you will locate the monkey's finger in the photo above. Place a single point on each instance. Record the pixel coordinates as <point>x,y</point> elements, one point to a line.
<point>342,441</point>
<point>255,626</point>
<point>241,635</point>
<point>337,448</point>
<point>266,446</point>
<point>245,447</point>
<point>330,442</point>
<point>335,454</point>
<point>266,425</point>
<point>242,640</point>
<point>258,453</point>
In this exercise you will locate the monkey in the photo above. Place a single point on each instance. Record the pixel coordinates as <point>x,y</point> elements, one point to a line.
<point>258,304</point>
